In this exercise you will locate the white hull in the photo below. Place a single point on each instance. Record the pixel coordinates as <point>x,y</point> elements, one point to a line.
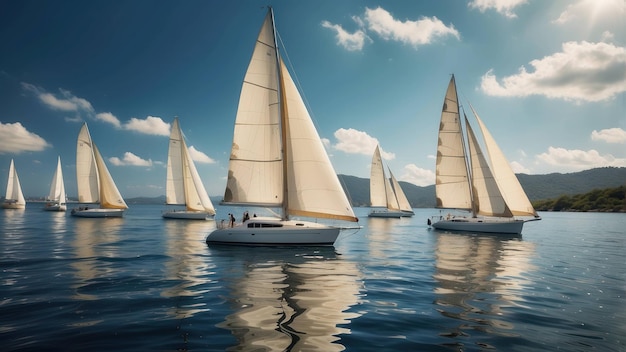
<point>13,205</point>
<point>98,213</point>
<point>189,215</point>
<point>480,225</point>
<point>55,207</point>
<point>407,214</point>
<point>386,213</point>
<point>266,232</point>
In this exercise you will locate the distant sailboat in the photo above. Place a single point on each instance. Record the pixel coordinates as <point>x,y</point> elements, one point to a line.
<point>403,202</point>
<point>95,184</point>
<point>56,197</point>
<point>278,159</point>
<point>184,186</point>
<point>383,199</point>
<point>14,198</point>
<point>490,191</point>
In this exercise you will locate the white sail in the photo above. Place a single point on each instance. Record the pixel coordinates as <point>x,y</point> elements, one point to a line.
<point>14,189</point>
<point>378,192</point>
<point>512,190</point>
<point>403,202</point>
<point>184,186</point>
<point>86,171</point>
<point>95,184</point>
<point>57,186</point>
<point>452,180</point>
<point>255,170</point>
<point>313,187</point>
<point>488,200</point>
<point>392,200</point>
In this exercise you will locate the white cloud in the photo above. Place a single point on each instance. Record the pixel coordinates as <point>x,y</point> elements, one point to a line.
<point>591,10</point>
<point>199,156</point>
<point>577,160</point>
<point>352,141</point>
<point>610,135</point>
<point>519,168</point>
<point>150,125</point>
<point>350,41</point>
<point>130,159</point>
<point>67,101</point>
<point>109,118</point>
<point>504,7</point>
<point>417,175</point>
<point>420,32</point>
<point>583,71</point>
<point>15,138</point>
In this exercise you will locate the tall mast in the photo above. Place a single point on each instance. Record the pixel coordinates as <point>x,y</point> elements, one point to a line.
<point>283,119</point>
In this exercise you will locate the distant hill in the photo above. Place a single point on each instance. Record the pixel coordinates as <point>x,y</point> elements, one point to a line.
<point>538,187</point>
<point>600,200</point>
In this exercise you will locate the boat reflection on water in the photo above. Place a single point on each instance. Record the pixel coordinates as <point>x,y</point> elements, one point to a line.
<point>478,279</point>
<point>188,267</point>
<point>94,239</point>
<point>291,298</point>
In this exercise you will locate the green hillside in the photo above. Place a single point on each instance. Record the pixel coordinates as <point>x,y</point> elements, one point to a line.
<point>604,200</point>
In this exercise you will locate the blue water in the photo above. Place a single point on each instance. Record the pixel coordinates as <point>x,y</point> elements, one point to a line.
<point>142,283</point>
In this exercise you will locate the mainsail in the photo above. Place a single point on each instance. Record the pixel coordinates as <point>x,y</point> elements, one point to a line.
<point>277,158</point>
<point>14,189</point>
<point>57,187</point>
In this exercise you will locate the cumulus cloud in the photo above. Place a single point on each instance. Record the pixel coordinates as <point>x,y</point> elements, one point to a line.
<point>519,168</point>
<point>350,41</point>
<point>503,7</point>
<point>15,138</point>
<point>418,176</point>
<point>66,101</point>
<point>199,156</point>
<point>577,160</point>
<point>352,141</point>
<point>130,159</point>
<point>109,118</point>
<point>423,31</point>
<point>591,10</point>
<point>582,71</point>
<point>150,125</point>
<point>610,135</point>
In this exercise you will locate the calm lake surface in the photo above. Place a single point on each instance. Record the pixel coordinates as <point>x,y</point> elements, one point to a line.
<point>142,283</point>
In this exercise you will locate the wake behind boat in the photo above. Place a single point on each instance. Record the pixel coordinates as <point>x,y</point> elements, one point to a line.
<point>483,185</point>
<point>56,198</point>
<point>183,185</point>
<point>278,159</point>
<point>95,184</point>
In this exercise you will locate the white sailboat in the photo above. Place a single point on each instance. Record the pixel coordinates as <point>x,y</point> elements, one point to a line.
<point>14,198</point>
<point>183,186</point>
<point>56,198</point>
<point>278,159</point>
<point>488,189</point>
<point>95,184</point>
<point>384,202</point>
<point>403,202</point>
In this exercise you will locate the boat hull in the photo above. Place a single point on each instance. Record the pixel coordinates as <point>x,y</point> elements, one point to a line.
<point>186,215</point>
<point>55,207</point>
<point>98,213</point>
<point>13,205</point>
<point>480,225</point>
<point>386,214</point>
<point>275,233</point>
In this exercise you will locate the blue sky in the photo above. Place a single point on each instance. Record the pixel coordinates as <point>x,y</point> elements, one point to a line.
<point>547,77</point>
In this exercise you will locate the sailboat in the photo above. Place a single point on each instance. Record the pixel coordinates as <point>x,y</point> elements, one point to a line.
<point>278,160</point>
<point>14,198</point>
<point>56,197</point>
<point>483,185</point>
<point>95,184</point>
<point>403,202</point>
<point>383,197</point>
<point>183,186</point>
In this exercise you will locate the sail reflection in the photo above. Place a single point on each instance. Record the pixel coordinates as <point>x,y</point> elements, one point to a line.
<point>288,300</point>
<point>473,270</point>
<point>379,233</point>
<point>92,241</point>
<point>187,265</point>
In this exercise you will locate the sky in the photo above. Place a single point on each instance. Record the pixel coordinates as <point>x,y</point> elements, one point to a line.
<point>548,78</point>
